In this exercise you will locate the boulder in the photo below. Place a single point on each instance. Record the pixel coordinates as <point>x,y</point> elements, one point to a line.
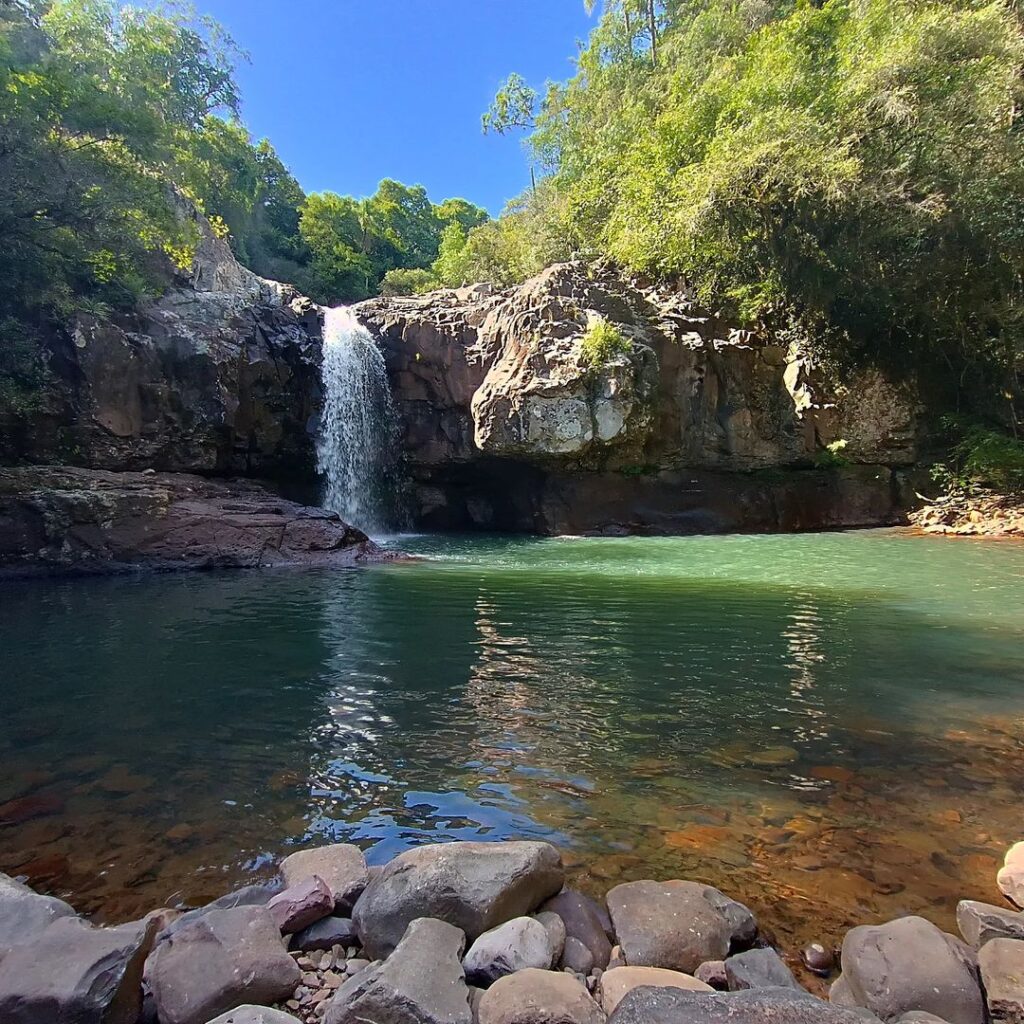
<point>1002,972</point>
<point>1010,878</point>
<point>250,1014</point>
<point>301,905</point>
<point>475,886</point>
<point>582,917</point>
<point>577,957</point>
<point>677,925</point>
<point>421,982</point>
<point>753,1006</point>
<point>980,922</point>
<point>614,984</point>
<point>216,961</point>
<point>24,914</point>
<point>758,968</point>
<point>556,931</point>
<point>909,964</point>
<point>342,866</point>
<point>538,997</point>
<point>513,946</point>
<point>74,973</point>
<point>325,934</point>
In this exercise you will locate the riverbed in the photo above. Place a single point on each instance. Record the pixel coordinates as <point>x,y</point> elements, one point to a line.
<point>829,727</point>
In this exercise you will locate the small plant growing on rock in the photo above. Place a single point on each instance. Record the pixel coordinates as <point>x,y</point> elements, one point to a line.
<point>603,342</point>
<point>832,456</point>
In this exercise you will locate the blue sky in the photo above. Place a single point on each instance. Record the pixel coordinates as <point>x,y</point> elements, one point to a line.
<point>352,91</point>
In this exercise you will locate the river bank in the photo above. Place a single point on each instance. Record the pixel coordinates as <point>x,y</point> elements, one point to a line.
<point>983,514</point>
<point>487,933</point>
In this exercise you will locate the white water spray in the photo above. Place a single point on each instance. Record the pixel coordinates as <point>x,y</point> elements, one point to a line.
<point>356,449</point>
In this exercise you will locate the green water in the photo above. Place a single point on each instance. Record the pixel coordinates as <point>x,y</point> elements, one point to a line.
<point>829,726</point>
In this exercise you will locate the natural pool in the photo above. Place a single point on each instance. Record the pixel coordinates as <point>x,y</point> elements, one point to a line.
<point>829,727</point>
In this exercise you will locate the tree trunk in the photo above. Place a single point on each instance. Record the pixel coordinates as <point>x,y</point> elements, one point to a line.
<point>653,26</point>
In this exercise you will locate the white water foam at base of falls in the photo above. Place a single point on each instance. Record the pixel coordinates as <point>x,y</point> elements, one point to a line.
<point>356,447</point>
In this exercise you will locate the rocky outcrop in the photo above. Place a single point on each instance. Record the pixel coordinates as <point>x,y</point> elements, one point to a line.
<point>692,425</point>
<point>218,375</point>
<point>66,519</point>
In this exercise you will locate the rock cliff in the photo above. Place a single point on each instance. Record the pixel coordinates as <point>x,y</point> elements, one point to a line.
<point>695,425</point>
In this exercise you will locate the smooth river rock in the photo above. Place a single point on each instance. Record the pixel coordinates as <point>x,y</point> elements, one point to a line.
<point>24,914</point>
<point>218,961</point>
<point>301,905</point>
<point>513,946</point>
<point>1002,971</point>
<point>474,886</point>
<point>583,920</point>
<point>326,934</point>
<point>421,982</point>
<point>538,997</point>
<point>909,964</point>
<point>556,931</point>
<point>758,968</point>
<point>251,1014</point>
<point>753,1006</point>
<point>980,922</point>
<point>677,925</point>
<point>74,973</point>
<point>614,984</point>
<point>342,866</point>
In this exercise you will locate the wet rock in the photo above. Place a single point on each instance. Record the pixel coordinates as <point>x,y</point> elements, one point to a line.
<point>677,925</point>
<point>513,946</point>
<point>1010,878</point>
<point>980,922</point>
<point>909,964</point>
<point>325,934</point>
<point>584,921</point>
<point>301,905</point>
<point>254,1015</point>
<point>577,957</point>
<point>758,968</point>
<point>1001,962</point>
<point>538,997</point>
<point>617,982</point>
<point>421,982</point>
<point>475,886</point>
<point>556,931</point>
<point>217,961</point>
<point>75,973</point>
<point>28,808</point>
<point>24,914</point>
<point>754,1006</point>
<point>712,972</point>
<point>818,958</point>
<point>342,866</point>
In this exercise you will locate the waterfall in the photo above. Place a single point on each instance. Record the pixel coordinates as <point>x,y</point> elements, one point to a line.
<point>357,445</point>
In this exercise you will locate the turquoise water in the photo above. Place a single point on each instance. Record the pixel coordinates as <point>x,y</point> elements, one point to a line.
<point>830,726</point>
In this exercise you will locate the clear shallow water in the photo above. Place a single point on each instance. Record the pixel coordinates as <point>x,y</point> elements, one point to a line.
<point>828,726</point>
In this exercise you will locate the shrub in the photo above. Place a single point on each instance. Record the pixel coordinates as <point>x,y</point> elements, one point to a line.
<point>412,281</point>
<point>603,342</point>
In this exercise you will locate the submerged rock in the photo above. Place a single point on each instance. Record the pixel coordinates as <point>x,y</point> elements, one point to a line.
<point>538,997</point>
<point>421,982</point>
<point>475,886</point>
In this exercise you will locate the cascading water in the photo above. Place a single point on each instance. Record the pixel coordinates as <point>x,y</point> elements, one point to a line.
<point>356,449</point>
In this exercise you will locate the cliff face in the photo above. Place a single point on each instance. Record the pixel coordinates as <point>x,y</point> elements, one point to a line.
<point>220,375</point>
<point>697,426</point>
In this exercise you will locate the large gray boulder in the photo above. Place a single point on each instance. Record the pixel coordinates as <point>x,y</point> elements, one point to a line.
<point>614,984</point>
<point>909,964</point>
<point>582,919</point>
<point>513,946</point>
<point>753,1006</point>
<point>980,922</point>
<point>1002,971</point>
<point>474,886</point>
<point>538,997</point>
<point>24,914</point>
<point>342,866</point>
<point>677,925</point>
<point>217,961</point>
<point>758,968</point>
<point>250,1014</point>
<point>74,973</point>
<point>421,982</point>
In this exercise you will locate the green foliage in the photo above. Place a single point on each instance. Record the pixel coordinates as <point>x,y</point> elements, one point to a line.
<point>603,342</point>
<point>854,166</point>
<point>408,281</point>
<point>831,456</point>
<point>512,107</point>
<point>981,456</point>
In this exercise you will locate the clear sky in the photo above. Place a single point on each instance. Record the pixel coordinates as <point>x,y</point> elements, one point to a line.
<point>352,91</point>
